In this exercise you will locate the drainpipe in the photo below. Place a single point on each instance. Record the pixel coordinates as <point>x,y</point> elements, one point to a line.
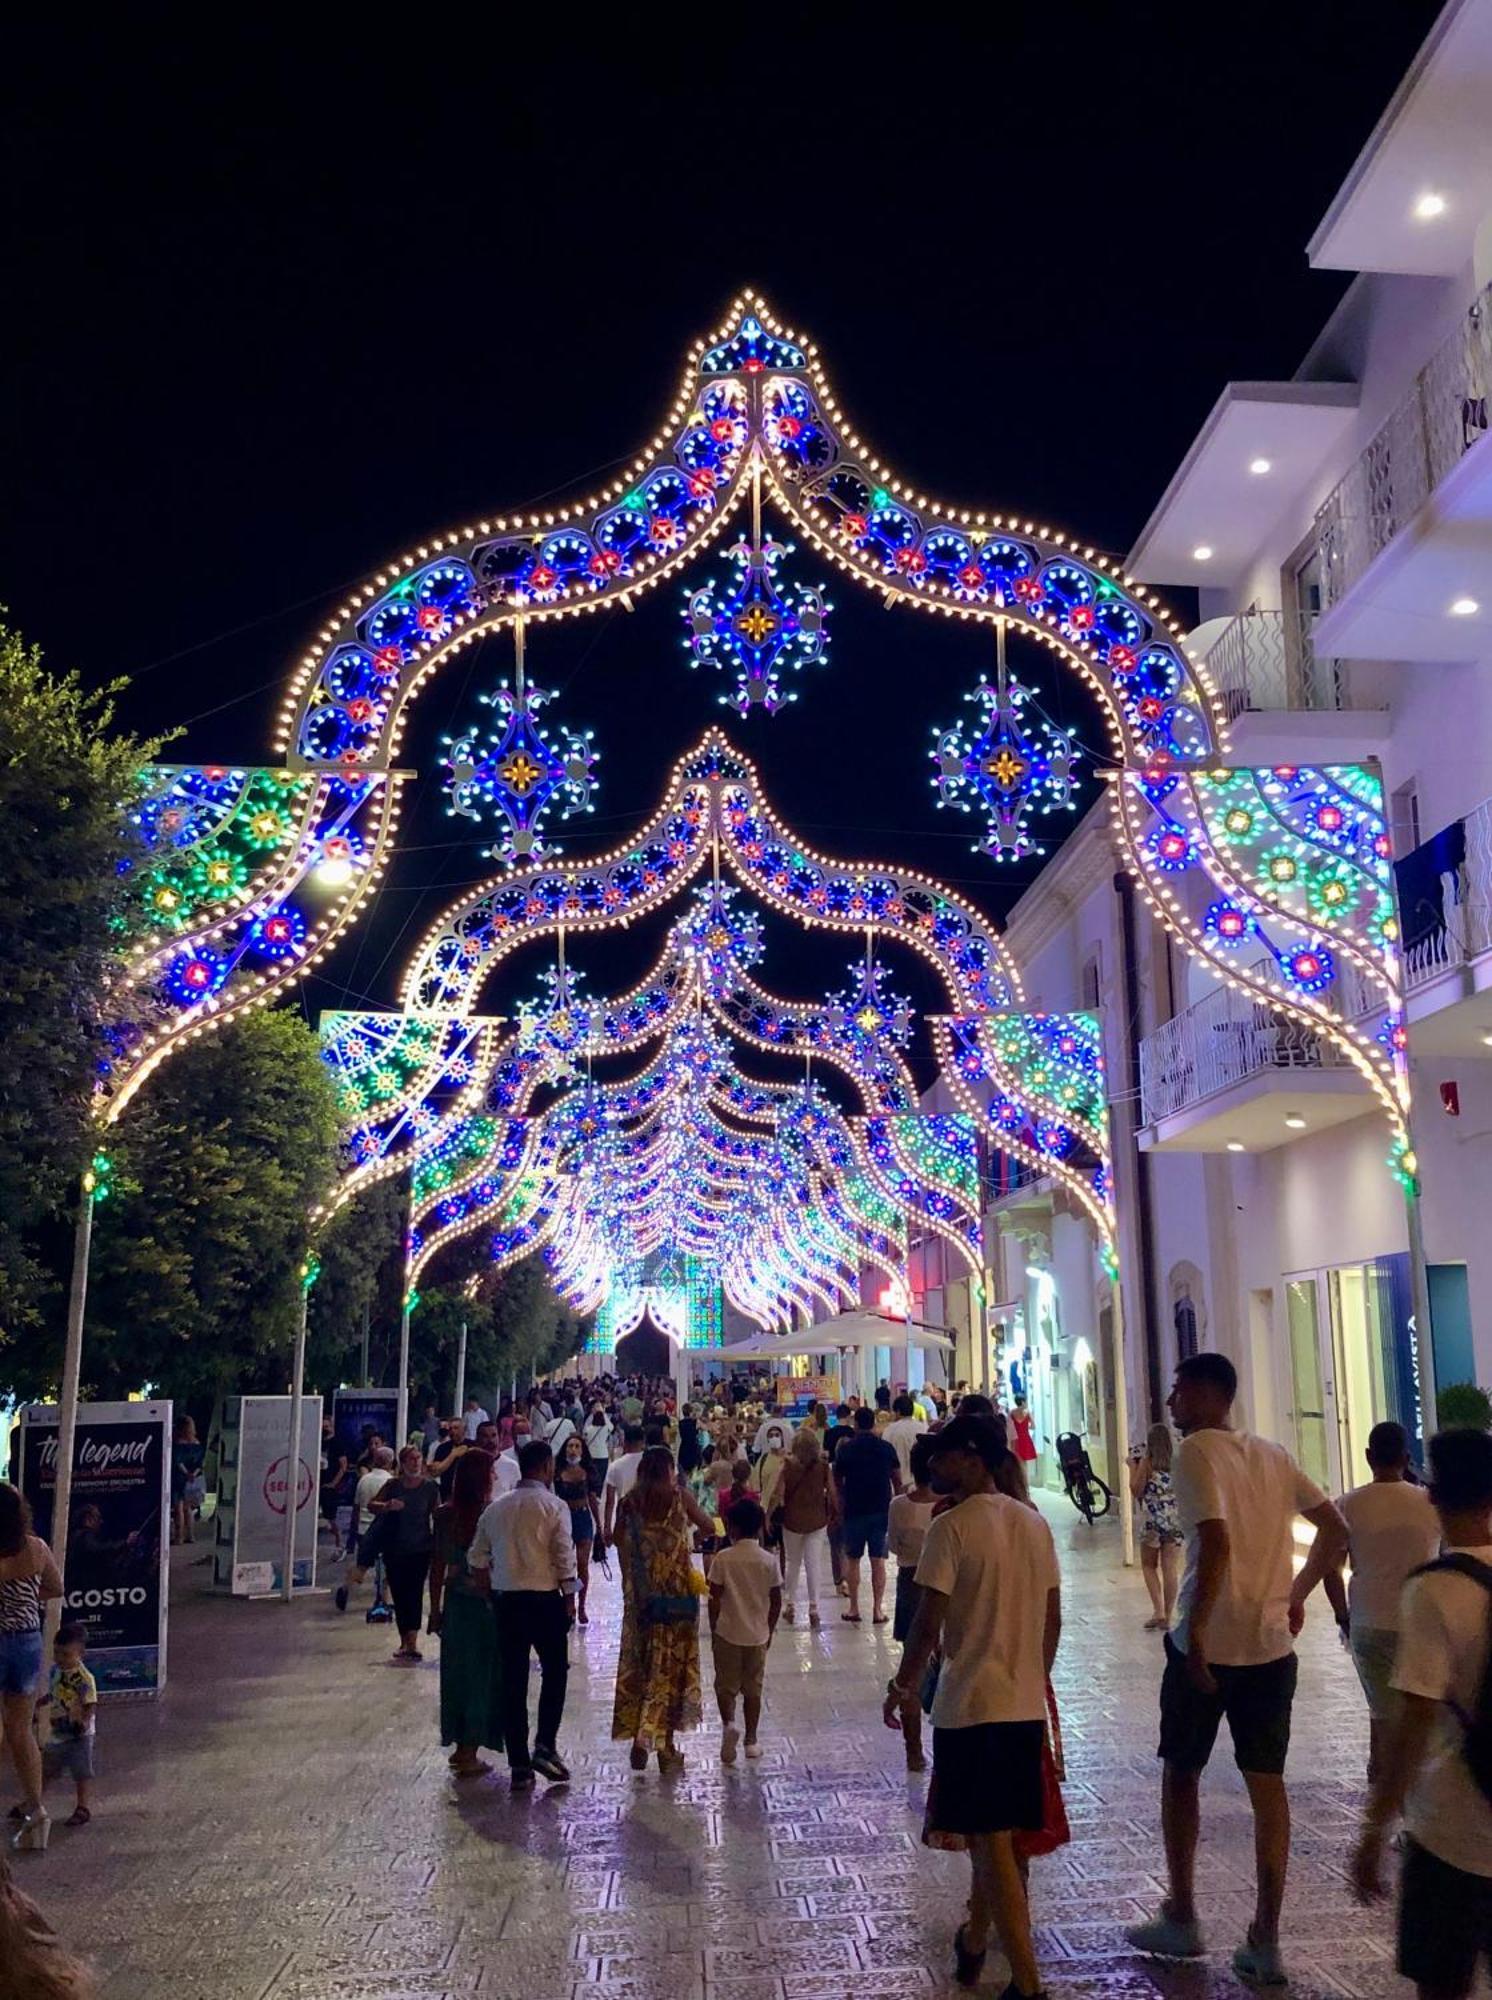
<point>1144,1190</point>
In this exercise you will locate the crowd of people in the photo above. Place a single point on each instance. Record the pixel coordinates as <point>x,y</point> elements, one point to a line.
<point>489,1530</point>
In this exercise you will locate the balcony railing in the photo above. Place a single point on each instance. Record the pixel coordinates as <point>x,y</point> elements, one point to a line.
<point>1254,667</point>
<point>1225,1039</point>
<point>1437,423</point>
<point>1445,898</point>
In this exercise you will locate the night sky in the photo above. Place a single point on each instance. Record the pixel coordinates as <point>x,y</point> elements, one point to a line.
<point>278,312</point>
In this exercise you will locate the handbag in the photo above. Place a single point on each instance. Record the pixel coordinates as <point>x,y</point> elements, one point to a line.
<point>656,1607</point>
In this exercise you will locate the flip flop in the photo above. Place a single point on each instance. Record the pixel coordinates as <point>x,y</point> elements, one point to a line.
<point>880,1619</point>
<point>850,1617</point>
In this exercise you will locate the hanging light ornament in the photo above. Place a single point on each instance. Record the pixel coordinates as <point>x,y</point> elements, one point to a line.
<point>757,626</point>
<point>1011,768</point>
<point>518,770</point>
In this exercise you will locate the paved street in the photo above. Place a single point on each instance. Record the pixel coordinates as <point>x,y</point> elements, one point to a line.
<point>282,1825</point>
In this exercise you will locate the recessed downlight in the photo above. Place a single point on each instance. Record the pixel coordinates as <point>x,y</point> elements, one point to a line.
<point>1464,607</point>
<point>1202,552</point>
<point>1259,466</point>
<point>1295,1122</point>
<point>1429,206</point>
<point>1237,1146</point>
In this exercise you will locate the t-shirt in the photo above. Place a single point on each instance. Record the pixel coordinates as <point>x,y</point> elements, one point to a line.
<point>506,1473</point>
<point>1257,1489</point>
<point>413,1531</point>
<point>906,1528</point>
<point>901,1436</point>
<point>1442,1654</point>
<point>745,1574</point>
<point>473,1420</point>
<point>1394,1529</point>
<point>995,1561</point>
<point>621,1475</point>
<point>834,1437</point>
<point>73,1695</point>
<point>598,1440</point>
<point>370,1484</point>
<point>863,1465</point>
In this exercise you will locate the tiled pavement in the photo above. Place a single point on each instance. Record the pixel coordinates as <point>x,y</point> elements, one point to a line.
<point>281,1827</point>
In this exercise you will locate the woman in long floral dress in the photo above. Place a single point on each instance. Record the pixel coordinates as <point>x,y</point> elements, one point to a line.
<point>657,1681</point>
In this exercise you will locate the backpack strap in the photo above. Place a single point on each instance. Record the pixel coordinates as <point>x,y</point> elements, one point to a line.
<point>1458,1563</point>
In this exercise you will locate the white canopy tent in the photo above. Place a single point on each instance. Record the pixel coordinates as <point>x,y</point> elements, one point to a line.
<point>847,1333</point>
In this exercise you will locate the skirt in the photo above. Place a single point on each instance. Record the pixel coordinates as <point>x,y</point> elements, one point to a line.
<point>470,1673</point>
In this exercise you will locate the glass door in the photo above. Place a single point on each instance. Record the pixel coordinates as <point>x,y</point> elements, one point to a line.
<point>1308,1388</point>
<point>1361,1333</point>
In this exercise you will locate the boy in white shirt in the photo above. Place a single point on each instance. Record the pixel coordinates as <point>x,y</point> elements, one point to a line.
<point>745,1604</point>
<point>1445,1894</point>
<point>1393,1530</point>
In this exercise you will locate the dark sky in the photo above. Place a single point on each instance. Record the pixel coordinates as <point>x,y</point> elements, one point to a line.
<point>278,311</point>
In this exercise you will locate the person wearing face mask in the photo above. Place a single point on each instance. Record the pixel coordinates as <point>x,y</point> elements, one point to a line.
<point>770,1468</point>
<point>572,1482</point>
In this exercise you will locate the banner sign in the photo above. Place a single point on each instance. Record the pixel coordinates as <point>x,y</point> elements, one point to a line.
<point>265,1488</point>
<point>355,1411</point>
<point>116,1569</point>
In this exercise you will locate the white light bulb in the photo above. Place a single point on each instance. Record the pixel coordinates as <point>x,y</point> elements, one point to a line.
<point>1464,607</point>
<point>1259,466</point>
<point>1202,552</point>
<point>1429,206</point>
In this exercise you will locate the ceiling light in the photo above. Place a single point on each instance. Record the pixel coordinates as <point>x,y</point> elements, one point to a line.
<point>1429,206</point>
<point>1237,1146</point>
<point>1487,1039</point>
<point>1259,466</point>
<point>1464,607</point>
<point>1294,1120</point>
<point>1202,552</point>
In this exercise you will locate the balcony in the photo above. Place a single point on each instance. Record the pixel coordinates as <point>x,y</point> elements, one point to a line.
<point>1404,533</point>
<point>1225,1074</point>
<point>1445,913</point>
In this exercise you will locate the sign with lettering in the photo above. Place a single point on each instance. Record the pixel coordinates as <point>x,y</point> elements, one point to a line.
<point>115,1571</point>
<point>265,1487</point>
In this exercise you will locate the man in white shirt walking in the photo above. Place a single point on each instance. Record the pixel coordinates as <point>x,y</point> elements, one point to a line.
<point>1445,1894</point>
<point>902,1433</point>
<point>1230,1652</point>
<point>1393,1529</point>
<point>524,1543</point>
<point>990,1594</point>
<point>471,1416</point>
<point>621,1477</point>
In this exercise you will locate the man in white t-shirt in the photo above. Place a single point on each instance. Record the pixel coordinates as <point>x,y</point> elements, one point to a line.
<point>1394,1529</point>
<point>621,1477</point>
<point>1230,1651</point>
<point>473,1414</point>
<point>990,1595</point>
<point>1445,1893</point>
<point>902,1433</point>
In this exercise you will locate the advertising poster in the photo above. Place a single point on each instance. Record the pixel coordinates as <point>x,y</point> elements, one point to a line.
<point>266,1488</point>
<point>116,1567</point>
<point>355,1411</point>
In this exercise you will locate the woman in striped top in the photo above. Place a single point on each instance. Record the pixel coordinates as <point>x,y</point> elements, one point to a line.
<point>28,1577</point>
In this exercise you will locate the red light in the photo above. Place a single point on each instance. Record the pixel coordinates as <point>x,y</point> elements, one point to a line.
<point>387,660</point>
<point>1173,846</point>
<point>541,577</point>
<point>1080,618</point>
<point>360,710</point>
<point>429,618</point>
<point>664,532</point>
<point>277,930</point>
<point>1305,965</point>
<point>1122,659</point>
<point>702,482</point>
<point>789,426</point>
<point>1329,818</point>
<point>1230,924</point>
<point>722,430</point>
<point>972,577</point>
<point>753,366</point>
<point>1029,590</point>
<point>911,560</point>
<point>1151,707</point>
<point>605,562</point>
<point>197,974</point>
<point>854,526</point>
<point>214,773</point>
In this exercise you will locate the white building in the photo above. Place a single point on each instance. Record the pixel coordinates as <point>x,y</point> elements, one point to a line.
<point>1339,529</point>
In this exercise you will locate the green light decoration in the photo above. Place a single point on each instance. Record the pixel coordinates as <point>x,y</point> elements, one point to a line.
<point>310,1271</point>
<point>214,840</point>
<point>98,1177</point>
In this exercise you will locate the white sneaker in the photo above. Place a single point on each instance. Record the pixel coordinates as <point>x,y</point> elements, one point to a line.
<point>753,1751</point>
<point>730,1736</point>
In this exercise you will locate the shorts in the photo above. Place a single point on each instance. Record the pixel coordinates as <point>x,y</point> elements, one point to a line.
<point>908,1597</point>
<point>865,1534</point>
<point>1445,1921</point>
<point>738,1669</point>
<point>1153,1536</point>
<point>986,1779</point>
<point>69,1756</point>
<point>20,1662</point>
<point>1256,1701</point>
<point>1373,1656</point>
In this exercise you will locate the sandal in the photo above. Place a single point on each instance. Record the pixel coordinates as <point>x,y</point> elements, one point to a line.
<point>79,1816</point>
<point>850,1617</point>
<point>639,1758</point>
<point>967,1965</point>
<point>478,1769</point>
<point>880,1619</point>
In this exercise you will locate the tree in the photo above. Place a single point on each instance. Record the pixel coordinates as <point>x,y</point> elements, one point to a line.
<point>66,778</point>
<point>362,1271</point>
<point>516,1323</point>
<point>197,1252</point>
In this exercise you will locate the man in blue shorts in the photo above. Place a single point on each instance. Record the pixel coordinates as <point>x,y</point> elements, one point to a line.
<point>866,1474</point>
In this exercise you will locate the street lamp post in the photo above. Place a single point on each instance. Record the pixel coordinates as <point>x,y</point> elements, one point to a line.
<point>309,1271</point>
<point>91,1186</point>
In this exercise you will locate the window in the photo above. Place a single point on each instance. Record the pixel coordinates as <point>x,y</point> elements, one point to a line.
<point>1309,682</point>
<point>1092,981</point>
<point>1403,820</point>
<point>1184,1313</point>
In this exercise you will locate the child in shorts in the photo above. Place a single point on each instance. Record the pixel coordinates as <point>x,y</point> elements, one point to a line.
<point>71,1700</point>
<point>745,1604</point>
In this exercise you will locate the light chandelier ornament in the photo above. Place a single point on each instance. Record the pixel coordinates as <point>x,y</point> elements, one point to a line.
<point>518,771</point>
<point>1010,767</point>
<point>757,626</point>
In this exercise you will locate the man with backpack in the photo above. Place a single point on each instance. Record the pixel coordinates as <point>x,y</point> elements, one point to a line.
<point>1437,1763</point>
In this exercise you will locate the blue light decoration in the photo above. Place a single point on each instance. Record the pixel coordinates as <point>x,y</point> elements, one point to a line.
<point>519,771</point>
<point>1009,767</point>
<point>757,626</point>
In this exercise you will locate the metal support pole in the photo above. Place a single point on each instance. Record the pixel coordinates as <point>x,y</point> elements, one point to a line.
<point>1424,1335</point>
<point>292,1452</point>
<point>72,1369</point>
<point>460,1402</point>
<point>1121,1425</point>
<point>363,1380</point>
<point>401,1420</point>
